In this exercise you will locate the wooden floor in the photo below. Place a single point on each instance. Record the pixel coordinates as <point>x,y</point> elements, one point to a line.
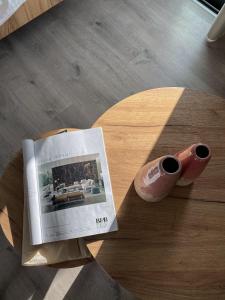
<point>71,64</point>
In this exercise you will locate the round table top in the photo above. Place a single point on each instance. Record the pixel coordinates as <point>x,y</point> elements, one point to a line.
<point>173,249</point>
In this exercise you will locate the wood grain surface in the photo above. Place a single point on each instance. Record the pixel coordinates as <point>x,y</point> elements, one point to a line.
<point>27,12</point>
<point>174,249</point>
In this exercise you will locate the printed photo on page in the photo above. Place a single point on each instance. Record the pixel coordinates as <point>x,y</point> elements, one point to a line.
<point>76,182</point>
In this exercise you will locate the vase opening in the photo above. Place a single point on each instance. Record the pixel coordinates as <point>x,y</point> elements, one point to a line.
<point>202,151</point>
<point>170,165</point>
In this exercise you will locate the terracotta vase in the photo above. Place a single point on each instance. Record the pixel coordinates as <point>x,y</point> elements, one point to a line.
<point>156,179</point>
<point>194,160</point>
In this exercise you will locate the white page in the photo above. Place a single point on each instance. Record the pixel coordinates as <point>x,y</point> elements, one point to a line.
<point>31,191</point>
<point>94,213</point>
<point>8,8</point>
<point>50,253</point>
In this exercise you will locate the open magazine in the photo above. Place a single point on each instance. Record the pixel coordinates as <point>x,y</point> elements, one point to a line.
<point>8,8</point>
<point>68,188</point>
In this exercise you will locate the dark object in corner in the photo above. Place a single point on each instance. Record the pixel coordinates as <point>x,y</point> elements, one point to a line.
<point>214,5</point>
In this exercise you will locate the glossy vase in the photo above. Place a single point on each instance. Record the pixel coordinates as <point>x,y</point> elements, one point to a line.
<point>155,180</point>
<point>194,160</point>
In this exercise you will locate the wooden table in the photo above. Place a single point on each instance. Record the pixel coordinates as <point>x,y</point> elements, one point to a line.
<point>174,249</point>
<point>27,12</point>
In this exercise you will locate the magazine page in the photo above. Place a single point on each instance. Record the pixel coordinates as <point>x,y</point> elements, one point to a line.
<point>74,185</point>
<point>31,191</point>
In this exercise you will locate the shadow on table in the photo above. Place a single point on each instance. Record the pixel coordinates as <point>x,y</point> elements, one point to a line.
<point>152,239</point>
<point>89,282</point>
<point>11,202</point>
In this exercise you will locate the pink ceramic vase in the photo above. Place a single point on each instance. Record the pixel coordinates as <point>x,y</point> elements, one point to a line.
<point>156,179</point>
<point>194,160</point>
